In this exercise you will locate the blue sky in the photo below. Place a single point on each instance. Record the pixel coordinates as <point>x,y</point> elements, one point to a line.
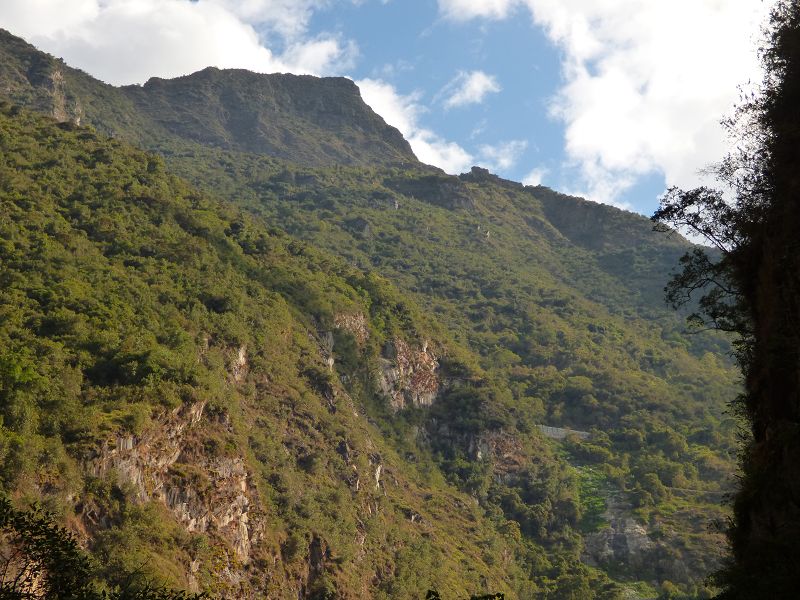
<point>417,51</point>
<point>608,99</point>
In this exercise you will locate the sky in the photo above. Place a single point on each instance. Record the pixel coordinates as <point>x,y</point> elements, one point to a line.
<point>612,100</point>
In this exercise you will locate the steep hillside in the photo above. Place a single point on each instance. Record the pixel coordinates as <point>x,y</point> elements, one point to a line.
<point>573,335</point>
<point>171,385</point>
<point>167,389</point>
<point>303,119</point>
<point>542,312</point>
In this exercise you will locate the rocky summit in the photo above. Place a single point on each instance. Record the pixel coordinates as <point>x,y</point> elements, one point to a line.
<point>302,119</point>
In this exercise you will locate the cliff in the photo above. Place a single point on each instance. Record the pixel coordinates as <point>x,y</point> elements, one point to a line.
<point>308,120</point>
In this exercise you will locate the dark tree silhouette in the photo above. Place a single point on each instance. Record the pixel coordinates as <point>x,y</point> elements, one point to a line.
<point>40,560</point>
<point>753,290</point>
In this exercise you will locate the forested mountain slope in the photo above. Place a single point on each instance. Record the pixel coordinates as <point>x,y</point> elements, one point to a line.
<point>169,390</point>
<point>537,309</point>
<point>570,333</point>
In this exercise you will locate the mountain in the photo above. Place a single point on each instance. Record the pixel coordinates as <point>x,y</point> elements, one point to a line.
<point>303,119</point>
<point>393,338</point>
<point>168,390</point>
<point>299,118</point>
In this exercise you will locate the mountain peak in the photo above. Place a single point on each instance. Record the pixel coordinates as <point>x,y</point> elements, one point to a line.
<point>305,119</point>
<point>313,121</point>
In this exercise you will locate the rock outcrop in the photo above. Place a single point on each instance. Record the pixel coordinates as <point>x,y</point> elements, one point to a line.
<point>623,542</point>
<point>353,323</point>
<point>437,188</point>
<point>409,376</point>
<point>307,120</point>
<point>170,463</point>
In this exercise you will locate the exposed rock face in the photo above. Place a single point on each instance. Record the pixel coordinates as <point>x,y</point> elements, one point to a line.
<point>143,461</point>
<point>439,189</point>
<point>308,120</point>
<point>481,175</point>
<point>239,365</point>
<point>355,324</point>
<point>624,541</point>
<point>559,433</point>
<point>408,376</point>
<point>223,506</point>
<point>207,494</point>
<point>643,551</point>
<point>34,79</point>
<point>505,451</point>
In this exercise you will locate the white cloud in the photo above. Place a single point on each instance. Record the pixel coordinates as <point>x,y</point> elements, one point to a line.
<point>646,83</point>
<point>404,112</point>
<point>288,17</point>
<point>462,10</point>
<point>469,88</point>
<point>433,150</point>
<point>324,55</point>
<point>502,156</point>
<point>129,41</point>
<point>535,176</point>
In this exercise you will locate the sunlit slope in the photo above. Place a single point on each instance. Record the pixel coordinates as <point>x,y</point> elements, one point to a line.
<point>569,317</point>
<point>555,304</point>
<point>166,390</point>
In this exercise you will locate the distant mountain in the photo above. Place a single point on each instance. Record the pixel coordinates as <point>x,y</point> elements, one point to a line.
<point>306,120</point>
<point>452,317</point>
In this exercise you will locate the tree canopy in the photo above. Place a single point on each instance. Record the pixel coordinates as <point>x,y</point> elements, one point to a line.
<point>753,290</point>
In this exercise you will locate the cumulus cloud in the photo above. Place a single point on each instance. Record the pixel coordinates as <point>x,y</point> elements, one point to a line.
<point>502,156</point>
<point>403,112</point>
<point>288,17</point>
<point>323,55</point>
<point>646,83</point>
<point>128,41</point>
<point>535,176</point>
<point>469,88</point>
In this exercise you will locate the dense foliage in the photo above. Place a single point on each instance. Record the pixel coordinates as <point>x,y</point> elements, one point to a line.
<point>752,291</point>
<point>568,320</point>
<point>129,298</point>
<point>40,560</point>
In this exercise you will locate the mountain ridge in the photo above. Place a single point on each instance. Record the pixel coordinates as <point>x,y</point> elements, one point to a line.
<point>252,112</point>
<point>327,124</point>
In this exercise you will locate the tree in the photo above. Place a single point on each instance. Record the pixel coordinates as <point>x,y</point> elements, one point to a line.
<point>753,290</point>
<point>39,559</point>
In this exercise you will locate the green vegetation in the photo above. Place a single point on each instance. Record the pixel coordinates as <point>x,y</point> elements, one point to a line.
<point>39,559</point>
<point>565,323</point>
<point>303,119</point>
<point>751,290</point>
<point>127,302</point>
<point>166,353</point>
<point>593,499</point>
